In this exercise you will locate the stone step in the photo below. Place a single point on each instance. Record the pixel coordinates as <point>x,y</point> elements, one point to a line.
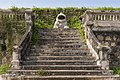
<point>60,34</point>
<point>62,31</point>
<point>59,58</point>
<point>59,62</point>
<point>61,72</point>
<point>83,47</point>
<point>64,45</point>
<point>75,77</point>
<point>60,40</point>
<point>57,43</point>
<point>61,67</point>
<point>59,37</point>
<point>59,51</point>
<point>37,49</point>
<point>37,53</point>
<point>58,30</point>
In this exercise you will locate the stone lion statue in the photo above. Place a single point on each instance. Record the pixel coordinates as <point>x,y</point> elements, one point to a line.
<point>60,21</point>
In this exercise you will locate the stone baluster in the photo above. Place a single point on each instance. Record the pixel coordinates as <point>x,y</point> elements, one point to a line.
<point>116,16</point>
<point>96,17</point>
<point>28,18</point>
<point>113,17</point>
<point>104,17</point>
<point>110,17</point>
<point>100,17</point>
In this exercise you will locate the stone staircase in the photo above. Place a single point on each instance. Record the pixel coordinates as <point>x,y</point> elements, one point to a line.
<point>60,54</point>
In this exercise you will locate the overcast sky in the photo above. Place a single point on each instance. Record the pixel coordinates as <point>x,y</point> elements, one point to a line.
<point>59,3</point>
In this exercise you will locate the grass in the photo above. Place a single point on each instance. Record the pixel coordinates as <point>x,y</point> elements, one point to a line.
<point>41,72</point>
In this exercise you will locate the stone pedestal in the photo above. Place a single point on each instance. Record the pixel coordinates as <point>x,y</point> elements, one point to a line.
<point>16,58</point>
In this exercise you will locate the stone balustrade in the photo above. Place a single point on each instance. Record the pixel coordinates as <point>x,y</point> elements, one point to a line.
<point>20,48</point>
<point>99,50</point>
<point>103,15</point>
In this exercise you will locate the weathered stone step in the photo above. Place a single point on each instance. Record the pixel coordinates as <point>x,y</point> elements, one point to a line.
<point>60,54</point>
<point>60,40</point>
<point>37,49</point>
<point>83,47</point>
<point>59,37</point>
<point>59,58</point>
<point>61,72</point>
<point>59,51</point>
<point>50,29</point>
<point>59,62</point>
<point>61,67</point>
<point>62,44</point>
<point>75,77</point>
<point>58,30</point>
<point>56,43</point>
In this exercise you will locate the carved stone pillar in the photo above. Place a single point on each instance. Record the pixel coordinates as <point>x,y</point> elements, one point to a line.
<point>16,58</point>
<point>28,18</point>
<point>103,57</point>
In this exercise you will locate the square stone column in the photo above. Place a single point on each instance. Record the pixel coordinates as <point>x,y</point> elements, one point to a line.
<point>16,58</point>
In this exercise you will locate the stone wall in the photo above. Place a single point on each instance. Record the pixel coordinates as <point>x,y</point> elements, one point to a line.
<point>112,39</point>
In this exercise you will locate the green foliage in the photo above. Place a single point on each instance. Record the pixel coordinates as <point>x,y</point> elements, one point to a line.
<point>74,22</point>
<point>4,68</point>
<point>106,8</point>
<point>41,72</point>
<point>14,8</point>
<point>45,18</point>
<point>11,30</point>
<point>116,70</point>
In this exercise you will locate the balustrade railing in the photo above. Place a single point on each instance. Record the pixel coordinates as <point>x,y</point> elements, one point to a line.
<point>99,50</point>
<point>103,15</point>
<point>19,49</point>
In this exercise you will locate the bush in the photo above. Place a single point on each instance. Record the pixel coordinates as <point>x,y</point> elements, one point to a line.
<point>74,22</point>
<point>4,68</point>
<point>116,70</point>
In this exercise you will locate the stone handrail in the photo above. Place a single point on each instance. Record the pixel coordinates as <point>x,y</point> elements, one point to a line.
<point>101,51</point>
<point>20,49</point>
